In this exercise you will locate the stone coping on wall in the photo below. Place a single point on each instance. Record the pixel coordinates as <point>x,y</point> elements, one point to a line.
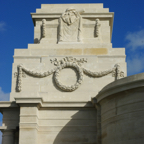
<point>124,84</point>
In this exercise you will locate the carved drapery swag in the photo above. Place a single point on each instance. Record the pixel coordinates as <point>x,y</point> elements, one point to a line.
<point>63,63</point>
<point>70,26</point>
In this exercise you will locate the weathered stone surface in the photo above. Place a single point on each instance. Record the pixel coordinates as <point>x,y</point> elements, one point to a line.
<point>122,105</point>
<point>61,91</point>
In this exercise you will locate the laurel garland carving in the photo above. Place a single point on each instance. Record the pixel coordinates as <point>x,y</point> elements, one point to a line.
<point>63,63</point>
<point>98,74</point>
<point>23,74</point>
<point>19,78</point>
<point>72,87</point>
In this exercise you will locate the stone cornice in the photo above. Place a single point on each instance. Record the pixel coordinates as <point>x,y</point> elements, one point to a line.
<point>7,104</point>
<point>84,15</point>
<point>45,104</point>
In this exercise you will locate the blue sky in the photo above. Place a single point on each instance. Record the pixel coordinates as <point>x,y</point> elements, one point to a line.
<point>16,31</point>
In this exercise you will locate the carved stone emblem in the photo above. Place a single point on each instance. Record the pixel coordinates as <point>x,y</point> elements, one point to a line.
<point>63,63</point>
<point>69,59</point>
<point>70,26</point>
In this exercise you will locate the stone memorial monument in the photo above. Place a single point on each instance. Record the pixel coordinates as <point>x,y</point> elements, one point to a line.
<point>67,86</point>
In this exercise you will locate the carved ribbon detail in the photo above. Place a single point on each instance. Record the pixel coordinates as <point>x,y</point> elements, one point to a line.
<point>43,28</point>
<point>61,64</point>
<point>97,28</point>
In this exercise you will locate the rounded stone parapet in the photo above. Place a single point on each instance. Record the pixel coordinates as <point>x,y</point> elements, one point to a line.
<point>122,111</point>
<point>121,85</point>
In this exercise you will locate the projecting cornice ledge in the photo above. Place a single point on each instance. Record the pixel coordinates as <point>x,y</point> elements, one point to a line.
<point>8,104</point>
<point>45,104</point>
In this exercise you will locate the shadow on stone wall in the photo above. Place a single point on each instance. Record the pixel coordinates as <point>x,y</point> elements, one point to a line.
<point>81,127</point>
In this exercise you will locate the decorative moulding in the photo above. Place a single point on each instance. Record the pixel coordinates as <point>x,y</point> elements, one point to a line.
<point>44,104</point>
<point>63,63</point>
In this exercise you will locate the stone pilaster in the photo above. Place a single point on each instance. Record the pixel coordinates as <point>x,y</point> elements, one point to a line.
<point>28,124</point>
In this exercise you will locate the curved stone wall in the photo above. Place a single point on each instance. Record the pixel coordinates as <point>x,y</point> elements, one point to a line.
<point>122,111</point>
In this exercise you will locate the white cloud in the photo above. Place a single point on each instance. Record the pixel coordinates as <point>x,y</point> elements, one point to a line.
<point>2,26</point>
<point>135,40</point>
<point>4,96</point>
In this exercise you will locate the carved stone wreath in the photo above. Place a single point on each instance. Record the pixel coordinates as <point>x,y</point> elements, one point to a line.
<point>72,87</point>
<point>61,64</point>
